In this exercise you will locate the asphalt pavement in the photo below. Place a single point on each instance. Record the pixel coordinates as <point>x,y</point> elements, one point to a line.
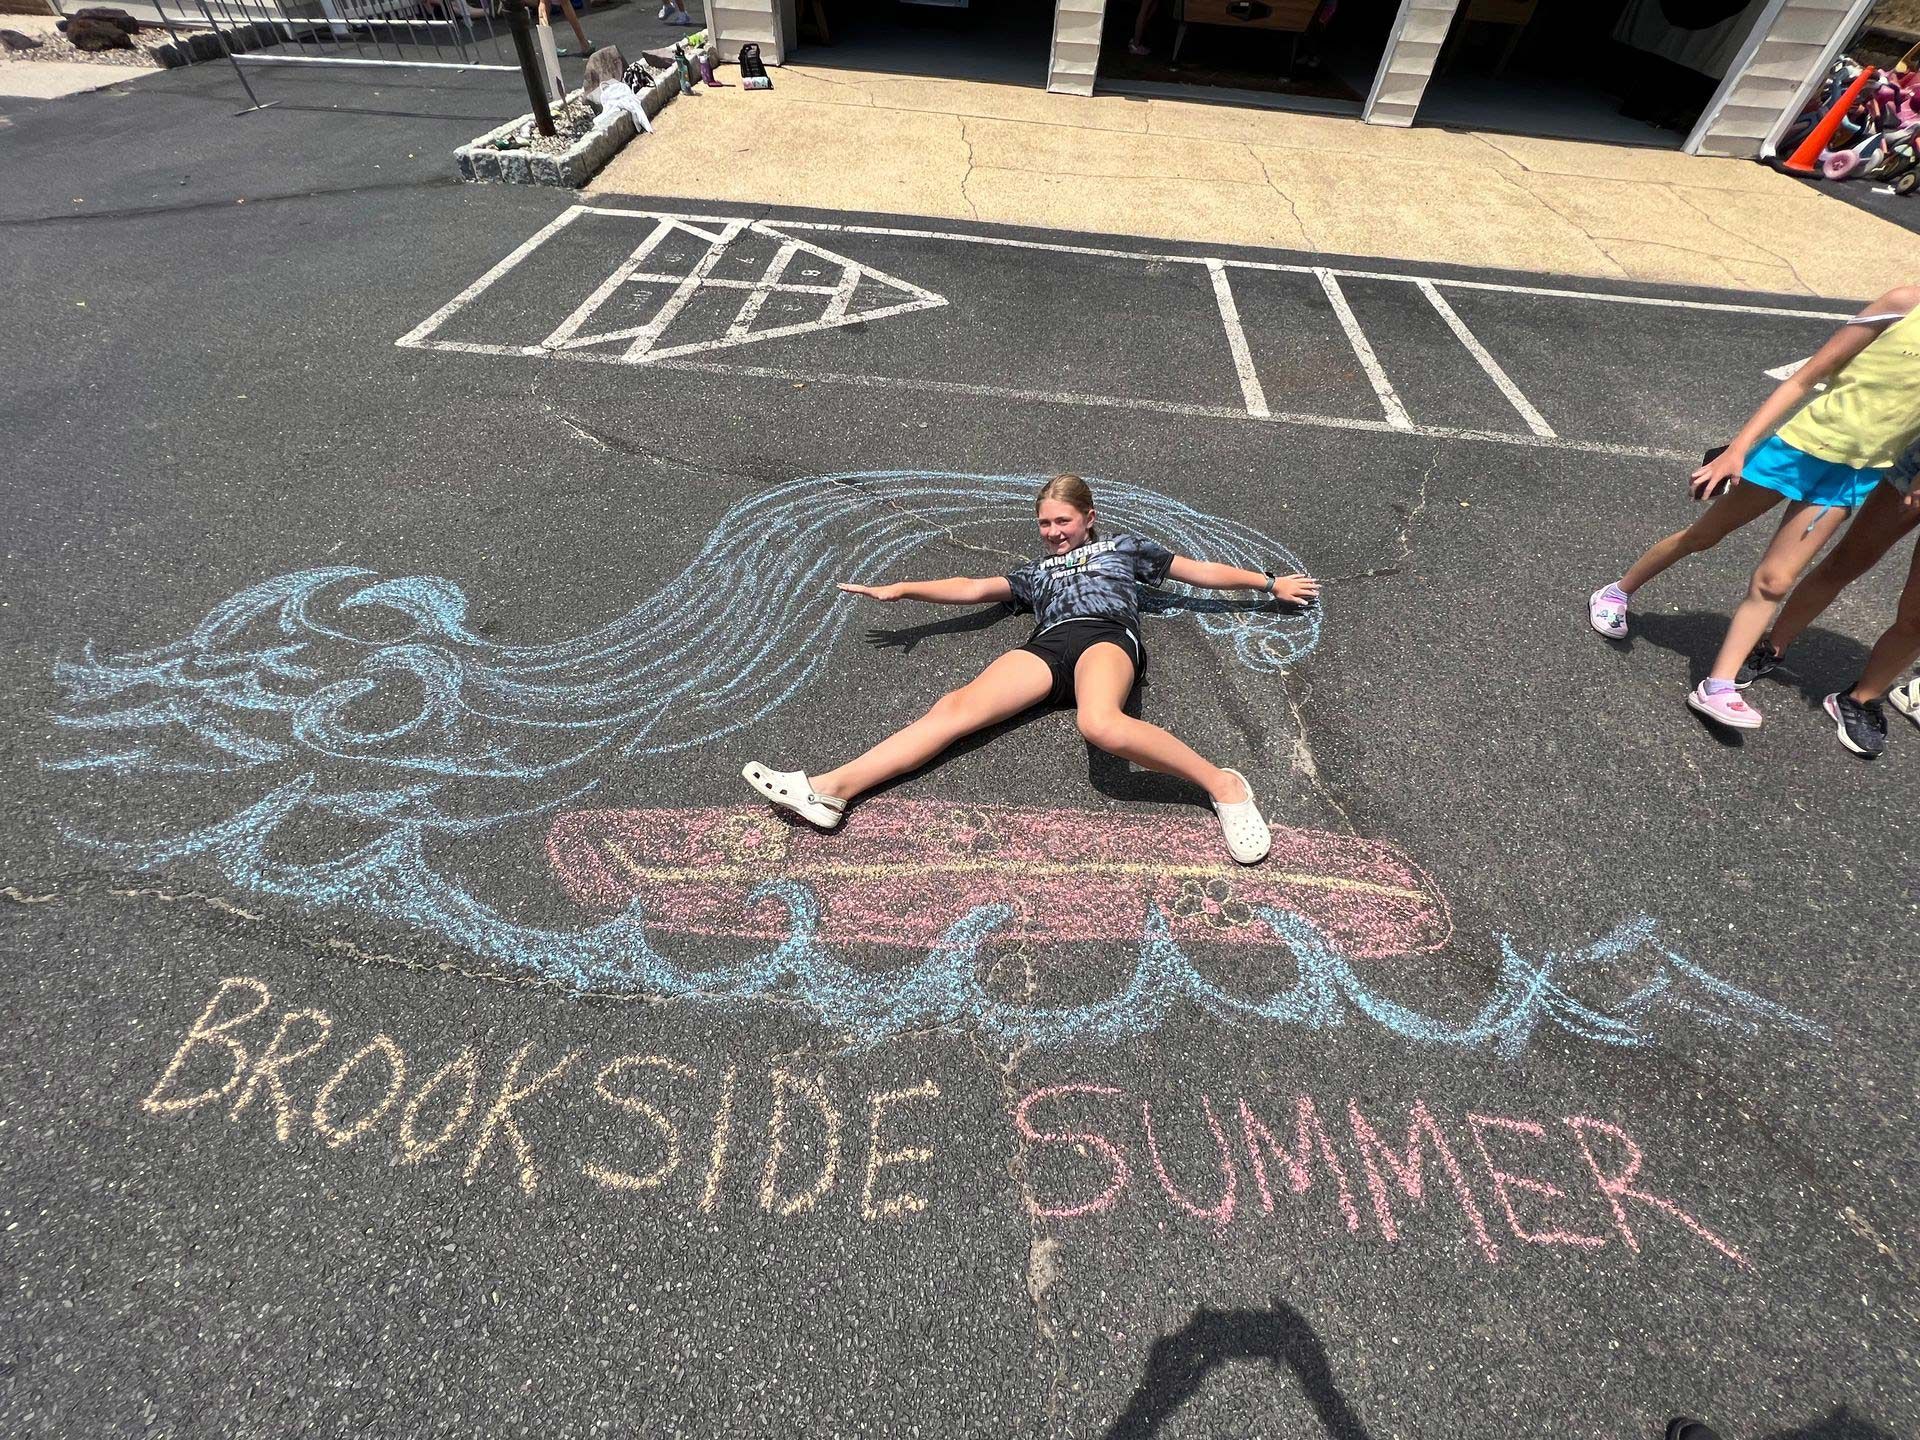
<point>417,1028</point>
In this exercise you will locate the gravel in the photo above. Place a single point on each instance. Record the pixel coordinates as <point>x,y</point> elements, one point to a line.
<point>55,46</point>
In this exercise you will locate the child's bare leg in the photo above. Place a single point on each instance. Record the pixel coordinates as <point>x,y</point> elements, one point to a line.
<point>1898,647</point>
<point>1016,681</point>
<point>1100,684</point>
<point>1739,506</point>
<point>566,8</point>
<point>1792,549</point>
<point>1875,530</point>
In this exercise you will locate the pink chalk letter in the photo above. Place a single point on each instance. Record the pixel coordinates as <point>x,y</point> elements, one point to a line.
<point>1221,1211</point>
<point>1409,1171</point>
<point>1107,1150</point>
<point>1505,1181</point>
<point>1308,1135</point>
<point>1618,1187</point>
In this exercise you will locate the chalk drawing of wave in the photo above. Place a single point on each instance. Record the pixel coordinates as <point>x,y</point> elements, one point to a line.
<point>333,693</point>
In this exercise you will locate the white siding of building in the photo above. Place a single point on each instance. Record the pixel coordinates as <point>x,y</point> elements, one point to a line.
<point>1783,63</point>
<point>1418,33</point>
<point>1076,45</point>
<point>738,22</point>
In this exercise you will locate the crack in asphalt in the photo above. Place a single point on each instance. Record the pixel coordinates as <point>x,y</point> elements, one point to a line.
<point>1404,538</point>
<point>1042,1270</point>
<point>952,539</point>
<point>618,445</point>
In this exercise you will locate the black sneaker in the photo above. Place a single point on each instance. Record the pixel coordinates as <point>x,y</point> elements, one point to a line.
<point>1764,660</point>
<point>1862,727</point>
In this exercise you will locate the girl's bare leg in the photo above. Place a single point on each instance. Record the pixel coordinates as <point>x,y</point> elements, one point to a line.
<point>1792,549</point>
<point>1016,681</point>
<point>1898,647</point>
<point>1739,506</point>
<point>1875,530</point>
<point>1100,684</point>
<point>566,9</point>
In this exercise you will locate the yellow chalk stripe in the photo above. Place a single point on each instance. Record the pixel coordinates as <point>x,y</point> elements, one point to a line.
<point>841,870</point>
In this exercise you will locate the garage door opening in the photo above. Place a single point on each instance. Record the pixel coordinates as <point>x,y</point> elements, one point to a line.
<point>1636,72</point>
<point>1317,55</point>
<point>995,42</point>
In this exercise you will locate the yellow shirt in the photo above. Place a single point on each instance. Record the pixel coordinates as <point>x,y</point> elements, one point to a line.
<point>1871,409</point>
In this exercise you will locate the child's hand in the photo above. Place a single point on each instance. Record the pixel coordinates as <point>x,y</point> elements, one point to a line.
<point>872,592</point>
<point>1296,589</point>
<point>1717,476</point>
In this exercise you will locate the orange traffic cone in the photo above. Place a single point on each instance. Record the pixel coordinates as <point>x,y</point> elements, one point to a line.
<point>1805,160</point>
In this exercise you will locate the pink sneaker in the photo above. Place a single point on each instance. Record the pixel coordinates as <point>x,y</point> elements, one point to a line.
<point>1607,616</point>
<point>1727,708</point>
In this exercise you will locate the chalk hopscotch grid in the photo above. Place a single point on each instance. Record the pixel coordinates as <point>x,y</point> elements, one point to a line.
<point>720,232</point>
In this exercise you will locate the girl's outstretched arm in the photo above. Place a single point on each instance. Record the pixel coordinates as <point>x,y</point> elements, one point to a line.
<point>1294,589</point>
<point>958,591</point>
<point>1848,341</point>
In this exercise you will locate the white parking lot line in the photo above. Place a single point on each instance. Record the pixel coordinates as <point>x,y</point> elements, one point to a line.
<point>720,232</point>
<point>1535,421</point>
<point>1396,412</point>
<point>1250,389</point>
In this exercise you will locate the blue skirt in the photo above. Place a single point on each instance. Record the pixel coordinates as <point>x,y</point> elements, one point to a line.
<point>1778,467</point>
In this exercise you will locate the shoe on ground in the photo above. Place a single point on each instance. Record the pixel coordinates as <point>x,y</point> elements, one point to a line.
<point>1724,708</point>
<point>1906,699</point>
<point>1862,727</point>
<point>1760,663</point>
<point>1248,839</point>
<point>1609,617</point>
<point>790,791</point>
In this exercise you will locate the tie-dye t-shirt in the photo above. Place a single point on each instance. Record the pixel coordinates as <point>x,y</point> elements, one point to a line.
<point>1099,580</point>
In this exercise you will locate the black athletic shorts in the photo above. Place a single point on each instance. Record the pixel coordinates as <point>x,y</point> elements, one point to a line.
<point>1062,645</point>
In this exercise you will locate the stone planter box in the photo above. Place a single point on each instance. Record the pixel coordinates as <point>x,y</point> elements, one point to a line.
<point>573,167</point>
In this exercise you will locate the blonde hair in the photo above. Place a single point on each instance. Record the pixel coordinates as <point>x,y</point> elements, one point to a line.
<point>1069,488</point>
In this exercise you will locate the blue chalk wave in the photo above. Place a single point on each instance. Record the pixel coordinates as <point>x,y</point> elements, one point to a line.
<point>332,693</point>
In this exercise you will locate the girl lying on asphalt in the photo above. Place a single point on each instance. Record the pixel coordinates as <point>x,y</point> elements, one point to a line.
<point>1085,650</point>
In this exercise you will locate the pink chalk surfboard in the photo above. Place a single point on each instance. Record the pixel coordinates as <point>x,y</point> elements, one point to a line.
<point>901,872</point>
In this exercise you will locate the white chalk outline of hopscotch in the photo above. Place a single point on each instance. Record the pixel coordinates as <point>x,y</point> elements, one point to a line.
<point>566,343</point>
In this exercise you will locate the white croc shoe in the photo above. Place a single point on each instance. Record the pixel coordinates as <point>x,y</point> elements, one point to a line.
<point>1248,838</point>
<point>790,790</point>
<point>1906,699</point>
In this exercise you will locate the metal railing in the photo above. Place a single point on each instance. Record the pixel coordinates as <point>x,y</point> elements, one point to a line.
<point>419,34</point>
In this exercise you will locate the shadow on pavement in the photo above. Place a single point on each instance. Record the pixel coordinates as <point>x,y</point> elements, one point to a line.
<point>1177,1364</point>
<point>1842,1424</point>
<point>1820,661</point>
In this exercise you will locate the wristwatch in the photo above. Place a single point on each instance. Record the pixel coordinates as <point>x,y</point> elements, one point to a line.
<point>1272,580</point>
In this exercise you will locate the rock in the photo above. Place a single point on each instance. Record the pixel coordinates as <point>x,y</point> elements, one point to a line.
<point>603,65</point>
<point>110,15</point>
<point>14,40</point>
<point>97,35</point>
